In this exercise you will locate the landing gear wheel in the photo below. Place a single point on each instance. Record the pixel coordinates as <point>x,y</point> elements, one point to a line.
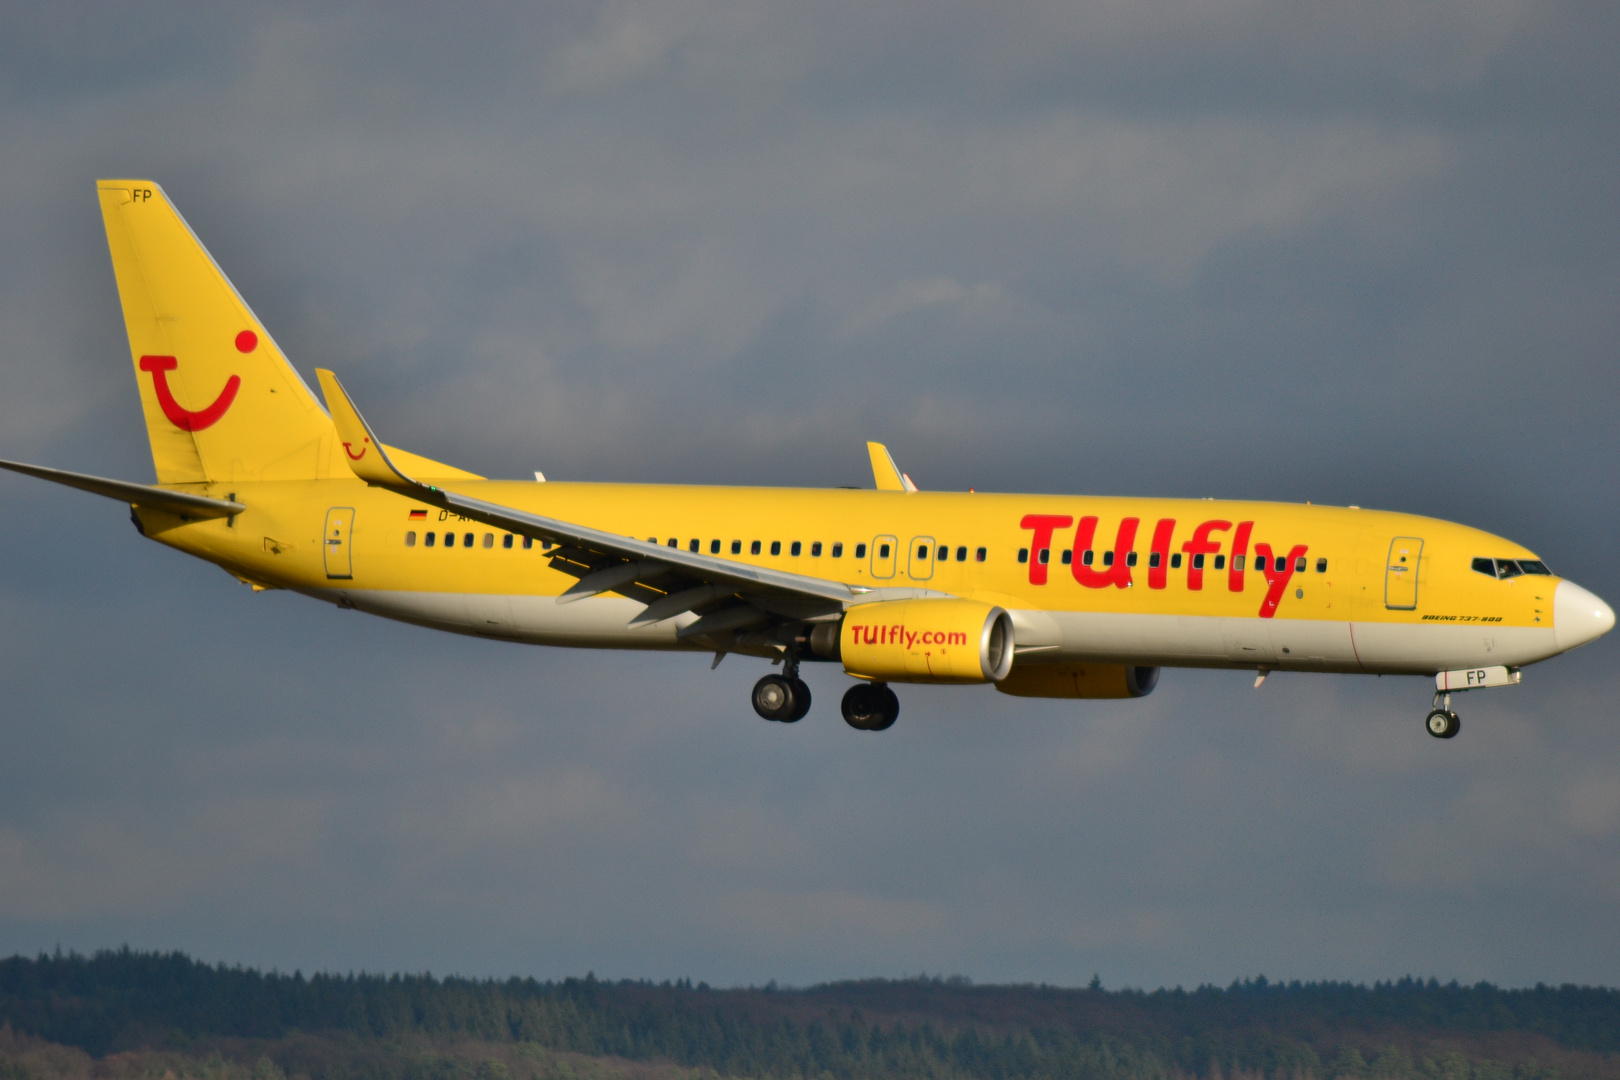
<point>801,702</point>
<point>775,698</point>
<point>1442,724</point>
<point>870,707</point>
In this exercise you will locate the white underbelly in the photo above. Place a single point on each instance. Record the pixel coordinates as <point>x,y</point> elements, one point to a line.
<point>598,622</point>
<point>1285,644</point>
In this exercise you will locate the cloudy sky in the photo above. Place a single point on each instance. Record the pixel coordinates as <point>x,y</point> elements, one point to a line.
<point>1241,248</point>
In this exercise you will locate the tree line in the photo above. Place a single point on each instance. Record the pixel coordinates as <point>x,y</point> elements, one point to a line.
<point>1407,1029</point>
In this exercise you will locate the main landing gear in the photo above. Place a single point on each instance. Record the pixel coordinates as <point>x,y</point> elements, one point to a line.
<point>1442,723</point>
<point>870,707</point>
<point>783,698</point>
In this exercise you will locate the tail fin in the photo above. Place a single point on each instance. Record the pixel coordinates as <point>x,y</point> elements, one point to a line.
<point>221,401</point>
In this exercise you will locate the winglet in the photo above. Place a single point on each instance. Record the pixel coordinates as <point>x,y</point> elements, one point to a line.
<point>885,472</point>
<point>370,462</point>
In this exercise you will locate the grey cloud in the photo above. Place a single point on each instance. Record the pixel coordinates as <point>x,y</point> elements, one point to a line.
<point>1361,255</point>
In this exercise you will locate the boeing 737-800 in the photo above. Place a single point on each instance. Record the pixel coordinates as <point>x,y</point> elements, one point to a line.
<point>1061,596</point>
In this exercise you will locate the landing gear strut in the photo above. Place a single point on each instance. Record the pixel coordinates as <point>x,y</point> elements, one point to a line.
<point>870,707</point>
<point>783,698</point>
<point>1442,723</point>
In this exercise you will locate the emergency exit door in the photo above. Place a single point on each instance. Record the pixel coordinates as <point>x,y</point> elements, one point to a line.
<point>339,528</point>
<point>1401,573</point>
<point>884,550</point>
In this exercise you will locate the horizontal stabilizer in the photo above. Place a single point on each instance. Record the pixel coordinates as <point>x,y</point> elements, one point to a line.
<point>175,502</point>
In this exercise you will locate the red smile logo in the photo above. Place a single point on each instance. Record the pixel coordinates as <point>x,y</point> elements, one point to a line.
<point>181,417</point>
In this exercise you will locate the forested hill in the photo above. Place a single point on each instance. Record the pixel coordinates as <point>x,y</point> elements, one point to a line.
<point>333,1027</point>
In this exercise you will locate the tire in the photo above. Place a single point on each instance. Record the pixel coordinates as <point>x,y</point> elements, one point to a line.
<point>1442,724</point>
<point>774,699</point>
<point>870,707</point>
<point>801,702</point>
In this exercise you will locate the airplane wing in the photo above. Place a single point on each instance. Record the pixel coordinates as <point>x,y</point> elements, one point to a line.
<point>175,502</point>
<point>728,596</point>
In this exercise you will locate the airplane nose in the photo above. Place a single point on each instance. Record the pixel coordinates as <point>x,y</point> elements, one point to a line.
<point>1578,616</point>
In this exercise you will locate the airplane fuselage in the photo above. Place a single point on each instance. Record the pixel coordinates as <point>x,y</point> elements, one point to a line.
<point>1157,581</point>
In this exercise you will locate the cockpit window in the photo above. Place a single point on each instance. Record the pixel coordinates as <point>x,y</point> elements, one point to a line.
<point>1509,568</point>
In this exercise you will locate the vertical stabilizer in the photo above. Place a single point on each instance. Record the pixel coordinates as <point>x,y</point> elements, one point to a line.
<point>221,401</point>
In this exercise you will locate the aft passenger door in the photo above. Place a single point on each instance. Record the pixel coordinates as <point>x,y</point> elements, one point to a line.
<point>1401,573</point>
<point>335,542</point>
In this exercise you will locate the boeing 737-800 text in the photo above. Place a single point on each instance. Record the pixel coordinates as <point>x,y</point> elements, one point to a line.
<point>1062,596</point>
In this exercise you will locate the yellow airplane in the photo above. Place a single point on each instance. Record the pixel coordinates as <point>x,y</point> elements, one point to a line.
<point>1059,596</point>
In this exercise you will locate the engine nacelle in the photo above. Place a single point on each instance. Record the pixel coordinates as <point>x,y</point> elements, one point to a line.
<point>934,641</point>
<point>1080,681</point>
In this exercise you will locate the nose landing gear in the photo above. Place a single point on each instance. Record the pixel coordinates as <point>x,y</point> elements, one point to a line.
<point>1442,723</point>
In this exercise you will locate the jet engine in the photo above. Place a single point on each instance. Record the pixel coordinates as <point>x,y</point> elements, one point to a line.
<point>927,641</point>
<point>1080,681</point>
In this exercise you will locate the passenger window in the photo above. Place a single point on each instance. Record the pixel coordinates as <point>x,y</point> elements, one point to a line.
<point>528,542</point>
<point>961,554</point>
<point>922,551</point>
<point>860,550</point>
<point>1068,556</point>
<point>776,547</point>
<point>736,547</point>
<point>978,556</point>
<point>1108,558</point>
<point>714,547</point>
<point>1175,561</point>
<point>1198,561</point>
<point>1046,556</point>
<point>427,540</point>
<point>467,540</point>
<point>1130,558</point>
<point>1023,555</point>
<point>1086,557</point>
<point>1533,566</point>
<point>794,550</point>
<point>693,545</point>
<point>1299,565</point>
<point>410,539</point>
<point>815,550</point>
<point>489,540</point>
<point>1153,559</point>
<point>506,541</point>
<point>1220,562</point>
<point>674,543</point>
<point>1321,566</point>
<point>838,550</point>
<point>883,551</point>
<point>1237,562</point>
<point>753,549</point>
<point>944,553</point>
<point>652,539</point>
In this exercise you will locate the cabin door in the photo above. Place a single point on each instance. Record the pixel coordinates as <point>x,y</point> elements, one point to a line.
<point>883,555</point>
<point>1401,573</point>
<point>335,544</point>
<point>920,558</point>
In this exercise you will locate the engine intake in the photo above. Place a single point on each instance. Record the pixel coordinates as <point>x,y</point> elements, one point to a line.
<point>931,641</point>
